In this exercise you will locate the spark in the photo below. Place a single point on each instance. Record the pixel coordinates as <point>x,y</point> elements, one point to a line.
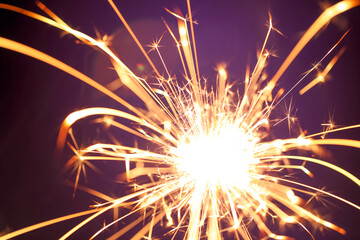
<point>210,165</point>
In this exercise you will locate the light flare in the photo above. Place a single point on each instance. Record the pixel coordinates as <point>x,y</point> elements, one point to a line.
<point>224,158</point>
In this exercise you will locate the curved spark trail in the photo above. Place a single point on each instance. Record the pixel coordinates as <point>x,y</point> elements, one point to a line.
<point>204,164</point>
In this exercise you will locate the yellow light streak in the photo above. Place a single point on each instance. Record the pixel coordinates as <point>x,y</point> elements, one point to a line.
<point>322,75</point>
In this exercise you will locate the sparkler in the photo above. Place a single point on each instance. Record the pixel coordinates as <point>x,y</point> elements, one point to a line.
<point>212,168</point>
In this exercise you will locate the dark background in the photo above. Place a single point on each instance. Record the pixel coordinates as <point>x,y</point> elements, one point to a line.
<point>36,97</point>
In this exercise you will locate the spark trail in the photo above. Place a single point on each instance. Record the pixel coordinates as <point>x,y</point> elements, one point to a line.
<point>212,169</point>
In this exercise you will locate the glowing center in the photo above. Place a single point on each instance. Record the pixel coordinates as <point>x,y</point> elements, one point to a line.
<point>224,158</point>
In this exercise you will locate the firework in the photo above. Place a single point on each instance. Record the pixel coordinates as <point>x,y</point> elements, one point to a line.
<point>204,162</point>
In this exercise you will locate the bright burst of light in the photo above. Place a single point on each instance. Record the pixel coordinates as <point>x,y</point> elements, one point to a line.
<point>226,157</point>
<point>212,168</point>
